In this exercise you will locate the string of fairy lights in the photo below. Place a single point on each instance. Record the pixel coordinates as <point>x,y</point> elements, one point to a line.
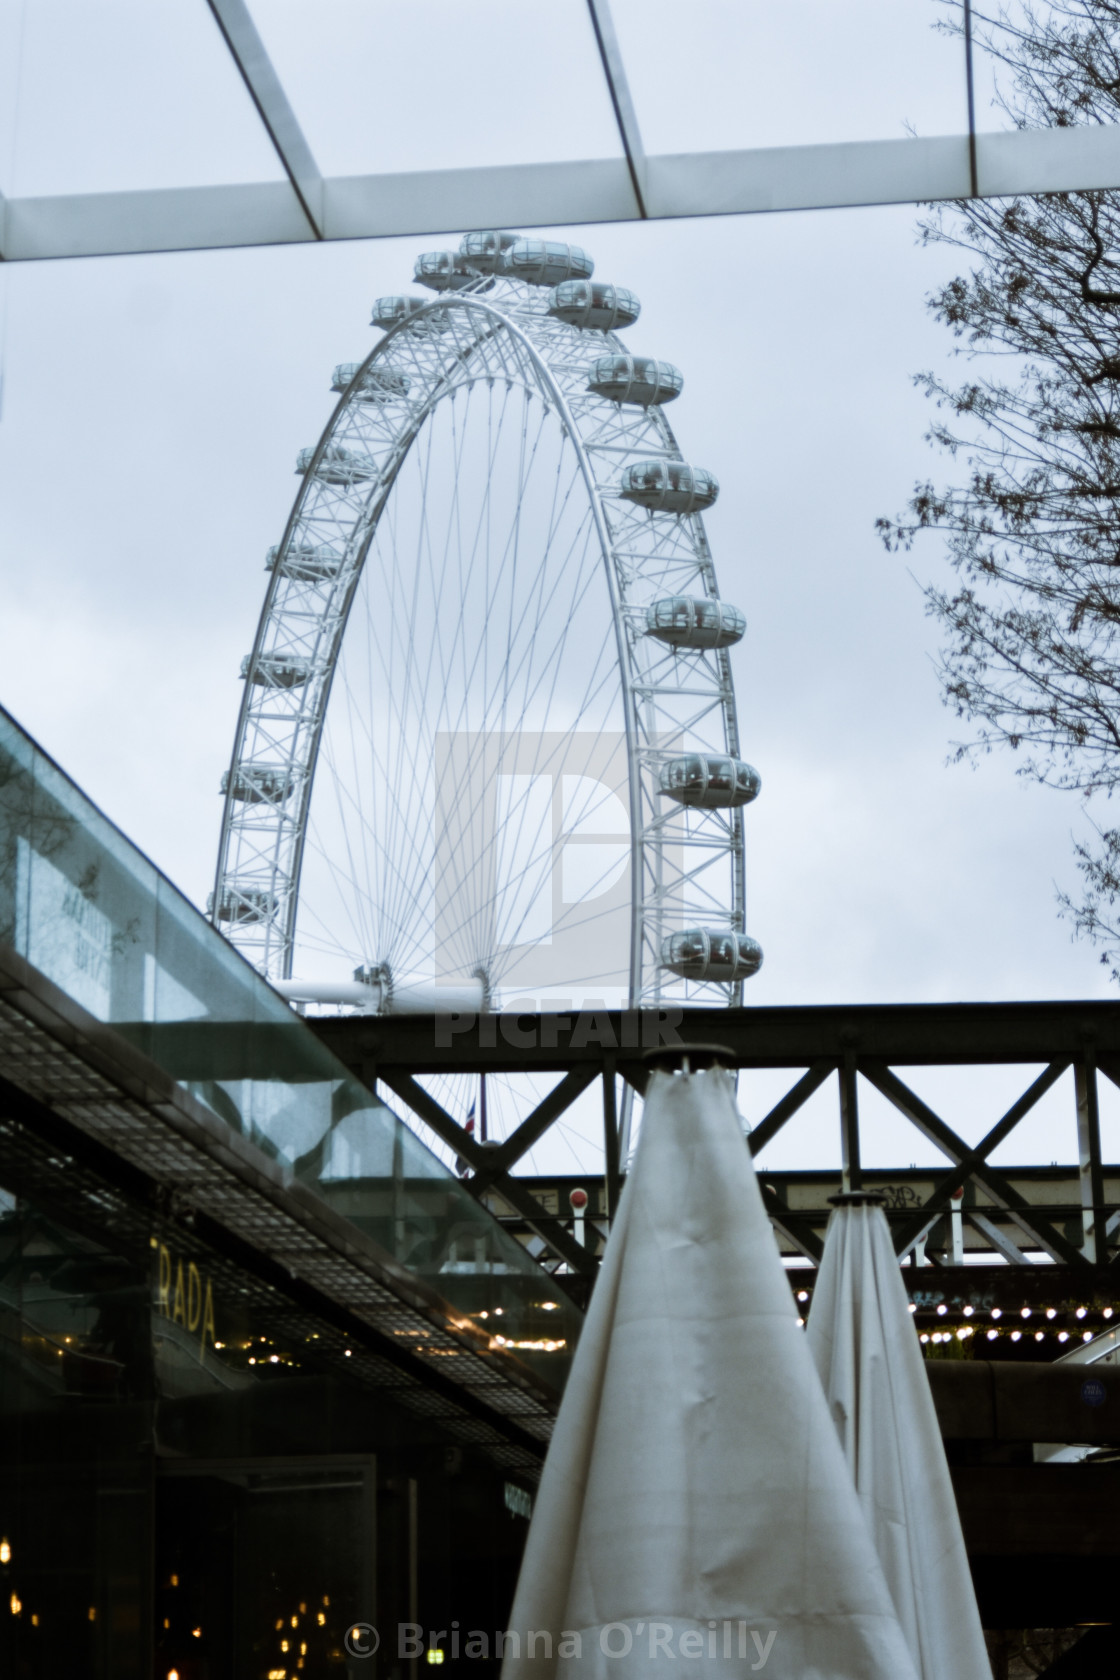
<point>1059,1327</point>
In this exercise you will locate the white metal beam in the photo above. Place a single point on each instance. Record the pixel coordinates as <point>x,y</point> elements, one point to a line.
<point>619,89</point>
<point>267,93</point>
<point>427,202</point>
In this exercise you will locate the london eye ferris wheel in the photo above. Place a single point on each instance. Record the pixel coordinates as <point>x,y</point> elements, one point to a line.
<point>488,748</point>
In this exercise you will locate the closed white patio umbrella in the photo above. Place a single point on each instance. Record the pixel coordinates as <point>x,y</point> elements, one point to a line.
<point>862,1338</point>
<point>696,1514</point>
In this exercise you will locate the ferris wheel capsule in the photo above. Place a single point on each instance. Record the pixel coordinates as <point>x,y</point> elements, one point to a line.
<point>710,784</point>
<point>669,486</point>
<point>543,262</point>
<point>243,905</point>
<point>389,312</point>
<point>379,384</point>
<point>446,271</point>
<point>259,784</point>
<point>337,465</point>
<point>586,303</point>
<point>711,954</point>
<point>485,250</point>
<point>641,380</point>
<point>307,562</point>
<point>690,621</point>
<point>276,670</point>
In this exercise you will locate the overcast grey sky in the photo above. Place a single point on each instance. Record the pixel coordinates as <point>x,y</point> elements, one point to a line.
<point>153,408</point>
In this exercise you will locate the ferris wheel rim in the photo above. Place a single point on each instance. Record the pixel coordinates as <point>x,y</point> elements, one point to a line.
<point>368,516</point>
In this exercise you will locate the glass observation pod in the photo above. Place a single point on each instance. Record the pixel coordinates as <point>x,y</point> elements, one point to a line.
<point>711,954</point>
<point>276,670</point>
<point>379,384</point>
<point>635,379</point>
<point>586,303</point>
<point>337,465</point>
<point>309,562</point>
<point>390,311</point>
<point>669,486</point>
<point>690,621</point>
<point>710,784</point>
<point>540,262</point>
<point>259,784</point>
<point>445,271</point>
<point>485,251</point>
<point>244,904</point>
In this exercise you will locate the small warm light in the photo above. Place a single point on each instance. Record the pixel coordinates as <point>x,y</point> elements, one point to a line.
<point>1107,1313</point>
<point>942,1310</point>
<point>1063,1335</point>
<point>1051,1312</point>
<point>435,1655</point>
<point>349,1355</point>
<point>1087,1336</point>
<point>967,1311</point>
<point>196,1633</point>
<point>997,1312</point>
<point>326,1602</point>
<point>303,1650</point>
<point>14,1604</point>
<point>1039,1335</point>
<point>303,1609</point>
<point>5,1552</point>
<point>167,1621</point>
<point>252,1361</point>
<point>923,1337</point>
<point>284,1646</point>
<point>992,1334</point>
<point>321,1619</point>
<point>1080,1313</point>
<point>173,1674</point>
<point>279,1625</point>
<point>964,1332</point>
<point>936,1337</point>
<point>1025,1312</point>
<point>913,1306</point>
<point>802,1294</point>
<point>1016,1335</point>
<point>174,1580</point>
<point>801,1321</point>
<point>93,1612</point>
<point>219,1344</point>
<point>35,1619</point>
<point>295,1621</point>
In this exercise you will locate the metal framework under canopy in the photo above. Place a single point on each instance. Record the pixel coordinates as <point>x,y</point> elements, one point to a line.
<point>630,186</point>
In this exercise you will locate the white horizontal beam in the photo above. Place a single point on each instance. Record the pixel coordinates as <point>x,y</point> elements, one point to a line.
<point>559,194</point>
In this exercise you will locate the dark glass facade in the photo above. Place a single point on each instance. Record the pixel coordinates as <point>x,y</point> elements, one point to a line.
<point>200,1478</point>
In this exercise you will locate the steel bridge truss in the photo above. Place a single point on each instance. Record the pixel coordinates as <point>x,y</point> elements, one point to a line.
<point>1076,1225</point>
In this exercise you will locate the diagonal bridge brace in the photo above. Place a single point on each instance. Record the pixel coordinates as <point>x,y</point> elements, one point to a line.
<point>970,1163</point>
<point>481,1159</point>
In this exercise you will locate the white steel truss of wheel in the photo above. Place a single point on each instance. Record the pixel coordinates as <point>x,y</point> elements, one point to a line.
<point>488,743</point>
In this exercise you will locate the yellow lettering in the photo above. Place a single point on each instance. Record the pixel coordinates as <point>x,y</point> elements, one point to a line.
<point>194,1297</point>
<point>208,1316</point>
<point>164,1300</point>
<point>178,1315</point>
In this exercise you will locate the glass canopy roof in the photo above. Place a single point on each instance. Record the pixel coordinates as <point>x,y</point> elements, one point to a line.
<point>205,123</point>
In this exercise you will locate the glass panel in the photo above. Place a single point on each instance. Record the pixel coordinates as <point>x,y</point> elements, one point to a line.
<point>94,916</point>
<point>123,96</point>
<point>801,73</point>
<point>381,86</point>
